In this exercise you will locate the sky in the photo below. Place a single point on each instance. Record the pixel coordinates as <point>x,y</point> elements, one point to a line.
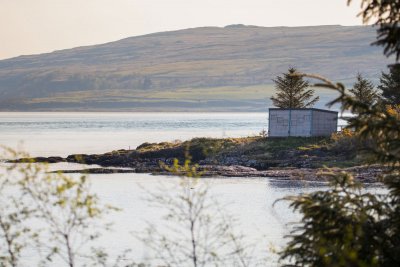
<point>40,26</point>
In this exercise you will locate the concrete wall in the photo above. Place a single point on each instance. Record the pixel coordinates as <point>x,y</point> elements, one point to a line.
<point>324,123</point>
<point>301,122</point>
<point>278,123</point>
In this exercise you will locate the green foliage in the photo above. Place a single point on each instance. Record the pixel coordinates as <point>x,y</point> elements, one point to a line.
<point>67,209</point>
<point>68,215</point>
<point>100,258</point>
<point>385,15</point>
<point>200,148</point>
<point>292,92</point>
<point>373,123</point>
<point>339,227</point>
<point>15,211</point>
<point>346,141</point>
<point>157,146</point>
<point>363,90</point>
<point>195,230</point>
<point>186,170</point>
<point>390,86</point>
<point>274,148</point>
<point>344,226</point>
<point>261,152</point>
<point>280,144</point>
<point>197,148</point>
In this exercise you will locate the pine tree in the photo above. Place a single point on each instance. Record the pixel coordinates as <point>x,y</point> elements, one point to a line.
<point>363,91</point>
<point>292,92</point>
<point>390,86</point>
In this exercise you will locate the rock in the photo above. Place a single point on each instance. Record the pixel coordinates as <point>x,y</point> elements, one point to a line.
<point>280,164</point>
<point>38,160</point>
<point>97,171</point>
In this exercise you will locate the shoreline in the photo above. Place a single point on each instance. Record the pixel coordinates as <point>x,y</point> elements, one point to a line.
<point>285,159</point>
<point>363,174</point>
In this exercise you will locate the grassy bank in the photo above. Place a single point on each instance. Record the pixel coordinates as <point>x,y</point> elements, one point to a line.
<point>263,153</point>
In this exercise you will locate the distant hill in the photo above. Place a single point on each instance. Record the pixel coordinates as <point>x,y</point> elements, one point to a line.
<point>208,68</point>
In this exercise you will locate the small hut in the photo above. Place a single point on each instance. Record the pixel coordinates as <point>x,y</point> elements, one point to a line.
<point>302,122</point>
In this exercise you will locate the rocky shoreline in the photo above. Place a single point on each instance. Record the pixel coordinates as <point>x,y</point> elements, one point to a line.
<point>231,158</point>
<point>364,174</point>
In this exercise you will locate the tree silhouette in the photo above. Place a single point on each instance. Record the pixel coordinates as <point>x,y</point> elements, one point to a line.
<point>363,90</point>
<point>390,85</point>
<point>384,15</point>
<point>292,91</point>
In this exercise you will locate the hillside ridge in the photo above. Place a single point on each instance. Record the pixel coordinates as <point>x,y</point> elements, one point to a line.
<point>218,68</point>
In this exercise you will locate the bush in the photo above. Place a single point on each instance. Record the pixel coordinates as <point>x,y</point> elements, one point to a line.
<point>345,226</point>
<point>345,141</point>
<point>340,227</point>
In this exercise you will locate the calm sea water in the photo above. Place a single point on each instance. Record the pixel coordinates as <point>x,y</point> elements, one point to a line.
<point>45,134</point>
<point>250,200</point>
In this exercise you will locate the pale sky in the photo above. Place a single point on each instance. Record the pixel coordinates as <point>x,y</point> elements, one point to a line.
<point>38,26</point>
